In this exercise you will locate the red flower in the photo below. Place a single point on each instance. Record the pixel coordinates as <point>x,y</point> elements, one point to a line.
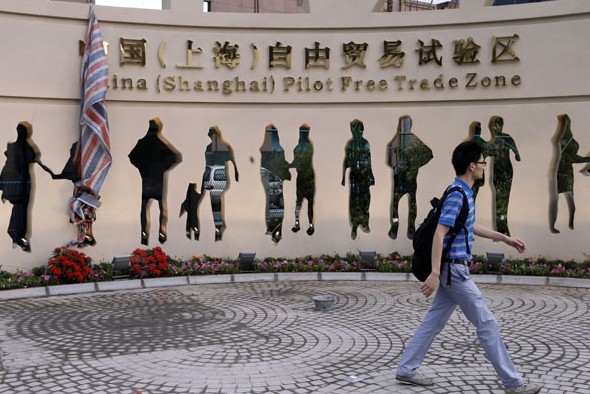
<point>146,263</point>
<point>69,266</point>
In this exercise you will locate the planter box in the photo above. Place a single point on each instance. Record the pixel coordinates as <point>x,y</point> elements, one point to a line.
<point>76,288</point>
<point>119,285</point>
<point>15,294</point>
<point>297,276</point>
<point>209,279</point>
<point>165,282</point>
<point>341,276</point>
<point>267,277</point>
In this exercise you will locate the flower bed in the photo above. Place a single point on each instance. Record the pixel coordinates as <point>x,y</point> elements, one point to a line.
<point>202,266</point>
<point>71,266</point>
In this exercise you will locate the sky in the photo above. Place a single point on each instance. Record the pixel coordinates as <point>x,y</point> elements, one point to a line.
<point>152,4</point>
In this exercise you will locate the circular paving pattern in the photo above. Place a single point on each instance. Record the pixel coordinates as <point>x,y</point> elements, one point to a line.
<point>267,337</point>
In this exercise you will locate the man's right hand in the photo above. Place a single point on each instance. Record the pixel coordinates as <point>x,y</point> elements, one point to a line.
<point>430,285</point>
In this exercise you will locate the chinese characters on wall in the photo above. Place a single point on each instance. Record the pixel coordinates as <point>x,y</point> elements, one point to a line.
<point>225,56</point>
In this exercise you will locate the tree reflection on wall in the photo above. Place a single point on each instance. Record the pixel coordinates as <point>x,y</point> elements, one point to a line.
<point>360,178</point>
<point>406,153</point>
<point>562,179</point>
<point>302,162</point>
<point>500,146</point>
<point>274,169</point>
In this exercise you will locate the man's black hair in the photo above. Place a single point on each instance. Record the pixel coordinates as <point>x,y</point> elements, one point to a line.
<point>464,154</point>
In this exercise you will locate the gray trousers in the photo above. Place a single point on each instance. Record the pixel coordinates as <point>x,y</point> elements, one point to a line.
<point>464,293</point>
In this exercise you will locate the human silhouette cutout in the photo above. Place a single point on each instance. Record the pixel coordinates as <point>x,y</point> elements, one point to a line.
<point>562,181</point>
<point>406,153</point>
<point>15,182</point>
<point>475,136</point>
<point>190,205</point>
<point>302,162</point>
<point>154,156</point>
<point>274,170</point>
<point>217,154</point>
<point>500,146</point>
<point>360,178</point>
<point>71,173</point>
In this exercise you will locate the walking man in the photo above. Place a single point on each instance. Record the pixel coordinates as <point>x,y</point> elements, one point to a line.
<point>469,165</point>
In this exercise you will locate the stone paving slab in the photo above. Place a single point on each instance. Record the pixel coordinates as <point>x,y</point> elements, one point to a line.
<point>267,337</point>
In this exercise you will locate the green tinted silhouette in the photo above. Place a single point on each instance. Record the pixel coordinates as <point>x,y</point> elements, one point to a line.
<point>217,154</point>
<point>475,136</point>
<point>274,169</point>
<point>302,162</point>
<point>358,159</point>
<point>406,153</point>
<point>562,182</point>
<point>500,147</point>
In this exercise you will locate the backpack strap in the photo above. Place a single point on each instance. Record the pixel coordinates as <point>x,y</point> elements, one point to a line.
<point>459,225</point>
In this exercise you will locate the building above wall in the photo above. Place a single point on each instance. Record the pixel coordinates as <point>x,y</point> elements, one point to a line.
<point>510,2</point>
<point>413,5</point>
<point>260,6</point>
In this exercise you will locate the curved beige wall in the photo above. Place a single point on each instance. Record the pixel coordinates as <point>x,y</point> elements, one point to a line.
<point>39,74</point>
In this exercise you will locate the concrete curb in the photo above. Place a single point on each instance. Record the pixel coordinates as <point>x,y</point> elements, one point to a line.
<point>342,275</point>
<point>484,279</point>
<point>254,277</point>
<point>209,279</point>
<point>388,276</point>
<point>568,282</point>
<point>115,285</point>
<point>165,282</point>
<point>16,294</point>
<point>297,276</point>
<point>134,284</point>
<point>77,288</point>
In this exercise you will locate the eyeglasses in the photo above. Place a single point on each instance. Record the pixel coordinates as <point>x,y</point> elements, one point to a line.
<point>483,163</point>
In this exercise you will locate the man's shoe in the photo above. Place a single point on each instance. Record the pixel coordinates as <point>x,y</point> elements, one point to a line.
<point>416,380</point>
<point>524,389</point>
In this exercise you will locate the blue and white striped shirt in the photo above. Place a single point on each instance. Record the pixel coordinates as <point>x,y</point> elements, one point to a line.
<point>448,215</point>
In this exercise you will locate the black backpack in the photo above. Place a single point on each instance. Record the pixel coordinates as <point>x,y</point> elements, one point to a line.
<point>422,242</point>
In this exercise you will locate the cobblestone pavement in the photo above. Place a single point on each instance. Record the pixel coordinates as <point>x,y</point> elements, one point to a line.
<point>267,337</point>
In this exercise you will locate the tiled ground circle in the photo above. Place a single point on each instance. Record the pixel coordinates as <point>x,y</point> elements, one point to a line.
<point>266,337</point>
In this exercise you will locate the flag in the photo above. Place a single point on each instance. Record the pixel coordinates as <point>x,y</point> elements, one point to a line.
<point>93,153</point>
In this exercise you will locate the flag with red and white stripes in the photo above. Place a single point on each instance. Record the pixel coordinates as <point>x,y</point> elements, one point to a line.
<point>93,154</point>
